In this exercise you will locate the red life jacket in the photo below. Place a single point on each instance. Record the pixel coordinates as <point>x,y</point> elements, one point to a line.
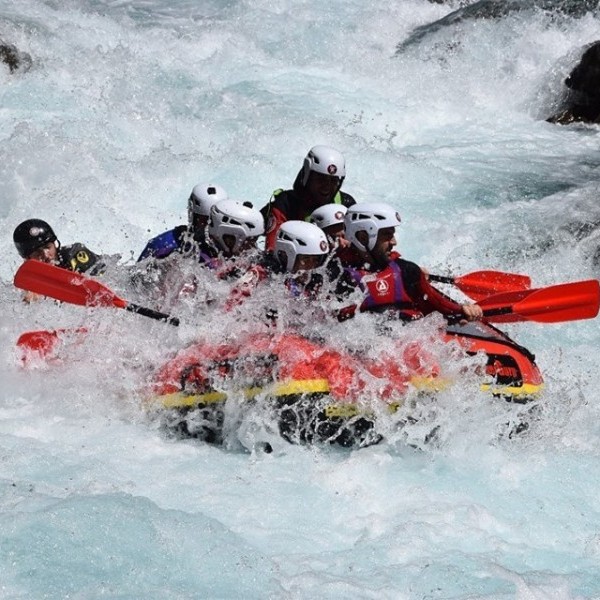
<point>385,290</point>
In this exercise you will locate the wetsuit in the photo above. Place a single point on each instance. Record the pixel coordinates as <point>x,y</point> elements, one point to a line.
<point>288,205</point>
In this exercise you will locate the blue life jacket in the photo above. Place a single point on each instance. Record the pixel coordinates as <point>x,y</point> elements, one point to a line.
<point>164,244</point>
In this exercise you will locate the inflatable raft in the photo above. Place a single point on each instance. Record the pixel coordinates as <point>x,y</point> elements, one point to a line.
<point>315,393</point>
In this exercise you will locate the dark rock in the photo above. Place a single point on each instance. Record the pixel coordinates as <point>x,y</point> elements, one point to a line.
<point>461,3</point>
<point>581,102</point>
<point>496,9</point>
<point>16,60</point>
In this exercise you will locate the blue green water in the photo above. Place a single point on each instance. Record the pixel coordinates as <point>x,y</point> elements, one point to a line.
<point>126,107</point>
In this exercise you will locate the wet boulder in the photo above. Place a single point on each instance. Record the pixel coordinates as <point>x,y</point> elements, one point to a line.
<point>13,58</point>
<point>496,9</point>
<point>581,101</point>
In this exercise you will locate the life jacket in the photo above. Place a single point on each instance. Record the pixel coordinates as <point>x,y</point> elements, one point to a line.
<point>80,259</point>
<point>164,244</point>
<point>337,199</point>
<point>181,240</point>
<point>385,290</point>
<point>289,204</point>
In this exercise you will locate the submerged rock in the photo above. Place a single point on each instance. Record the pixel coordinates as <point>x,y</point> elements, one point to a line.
<point>15,59</point>
<point>581,102</point>
<point>495,9</point>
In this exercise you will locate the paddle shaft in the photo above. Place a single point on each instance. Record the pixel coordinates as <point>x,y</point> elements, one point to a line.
<point>153,314</point>
<point>498,312</point>
<point>441,279</point>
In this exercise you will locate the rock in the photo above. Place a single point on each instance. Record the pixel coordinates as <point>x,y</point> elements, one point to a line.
<point>461,3</point>
<point>496,9</point>
<point>581,102</point>
<point>16,60</point>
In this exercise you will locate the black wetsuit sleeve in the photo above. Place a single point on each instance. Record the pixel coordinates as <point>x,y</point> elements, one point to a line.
<point>179,233</point>
<point>185,240</point>
<point>344,286</point>
<point>426,298</point>
<point>411,276</point>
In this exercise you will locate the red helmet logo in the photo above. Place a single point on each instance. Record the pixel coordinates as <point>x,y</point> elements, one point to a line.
<point>323,246</point>
<point>332,169</point>
<point>339,216</point>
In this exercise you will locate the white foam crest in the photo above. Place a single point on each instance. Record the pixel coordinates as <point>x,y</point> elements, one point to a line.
<point>126,107</point>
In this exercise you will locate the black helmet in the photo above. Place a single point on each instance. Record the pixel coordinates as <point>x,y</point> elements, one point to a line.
<point>31,235</point>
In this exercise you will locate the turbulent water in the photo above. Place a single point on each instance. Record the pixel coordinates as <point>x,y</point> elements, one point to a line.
<point>127,105</point>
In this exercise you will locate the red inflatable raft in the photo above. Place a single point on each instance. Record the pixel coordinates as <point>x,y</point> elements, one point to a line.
<point>317,393</point>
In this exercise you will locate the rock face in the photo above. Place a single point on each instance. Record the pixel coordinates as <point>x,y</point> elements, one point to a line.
<point>460,4</point>
<point>582,99</point>
<point>495,9</point>
<point>13,58</point>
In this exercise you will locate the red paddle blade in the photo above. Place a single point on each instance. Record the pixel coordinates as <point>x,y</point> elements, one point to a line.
<point>66,286</point>
<point>481,284</point>
<point>564,302</point>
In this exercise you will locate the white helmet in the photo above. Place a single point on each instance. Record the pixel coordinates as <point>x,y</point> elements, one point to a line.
<point>326,160</point>
<point>203,196</point>
<point>299,237</point>
<point>369,217</point>
<point>240,220</point>
<point>328,215</point>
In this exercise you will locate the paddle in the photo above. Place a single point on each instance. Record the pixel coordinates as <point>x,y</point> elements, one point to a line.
<point>564,302</point>
<point>480,284</point>
<point>75,288</point>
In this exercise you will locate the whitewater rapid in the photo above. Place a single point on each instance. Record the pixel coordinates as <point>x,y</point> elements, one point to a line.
<point>128,104</point>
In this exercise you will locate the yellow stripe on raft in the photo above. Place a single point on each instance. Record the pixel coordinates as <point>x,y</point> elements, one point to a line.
<point>321,386</point>
<point>430,384</point>
<point>288,388</point>
<point>433,384</point>
<point>523,391</point>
